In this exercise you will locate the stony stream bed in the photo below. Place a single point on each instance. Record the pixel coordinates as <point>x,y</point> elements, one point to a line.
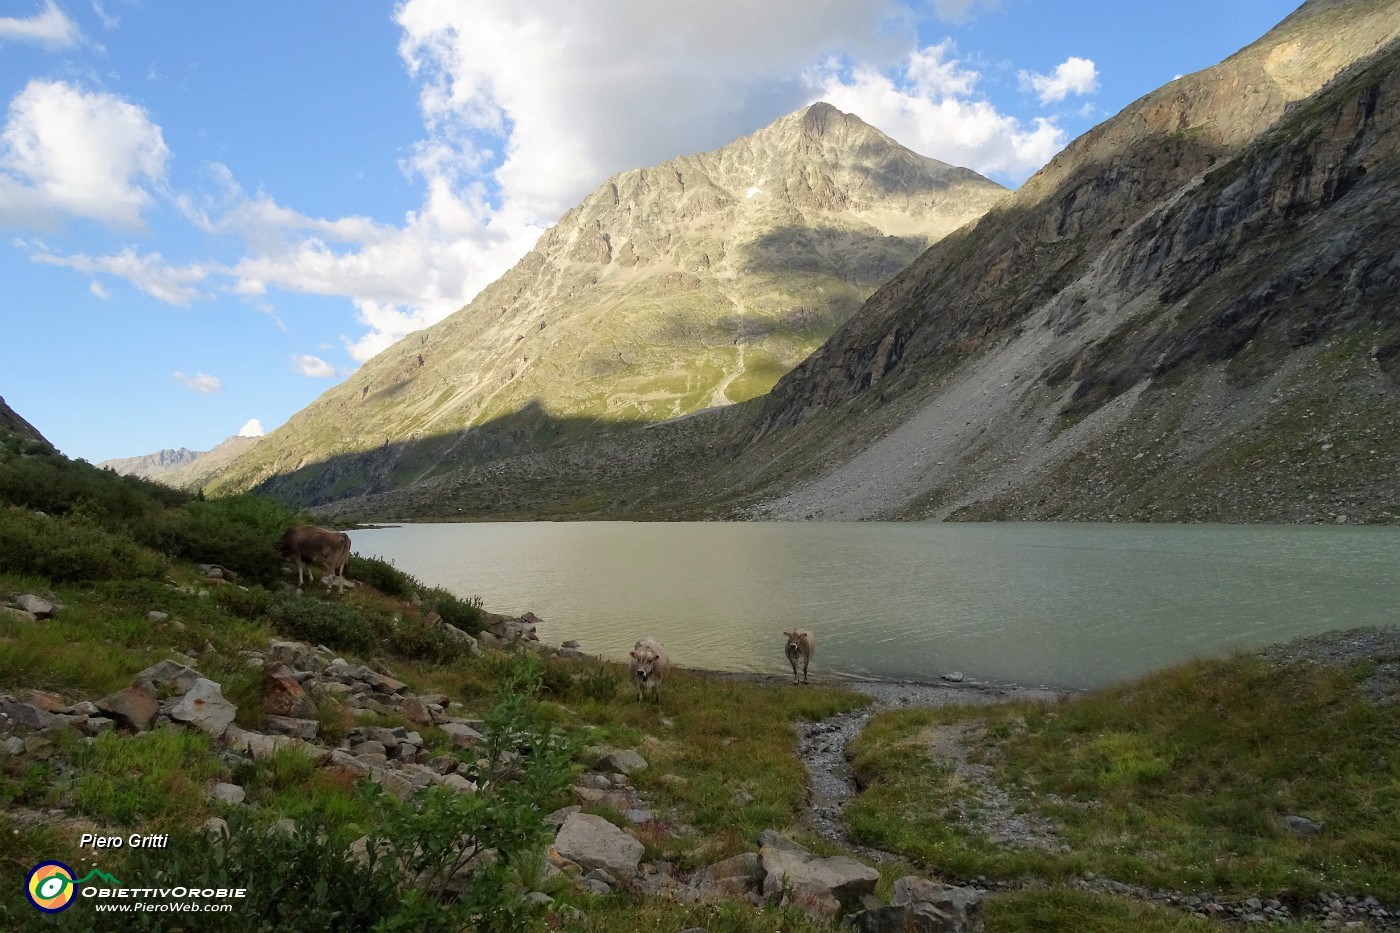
<point>823,745</point>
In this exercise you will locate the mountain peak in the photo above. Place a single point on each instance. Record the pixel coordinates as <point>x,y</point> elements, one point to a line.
<point>670,289</point>
<point>824,123</point>
<point>817,117</point>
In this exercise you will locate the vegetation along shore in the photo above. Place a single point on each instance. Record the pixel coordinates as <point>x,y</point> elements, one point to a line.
<point>398,758</point>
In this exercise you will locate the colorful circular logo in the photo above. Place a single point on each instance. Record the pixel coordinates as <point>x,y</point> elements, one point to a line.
<point>50,887</point>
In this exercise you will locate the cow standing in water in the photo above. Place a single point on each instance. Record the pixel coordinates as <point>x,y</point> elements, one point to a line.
<point>800,647</point>
<point>309,544</point>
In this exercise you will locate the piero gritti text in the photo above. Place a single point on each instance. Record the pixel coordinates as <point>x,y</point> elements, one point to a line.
<point>134,841</point>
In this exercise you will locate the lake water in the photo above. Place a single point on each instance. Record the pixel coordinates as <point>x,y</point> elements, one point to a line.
<point>1062,605</point>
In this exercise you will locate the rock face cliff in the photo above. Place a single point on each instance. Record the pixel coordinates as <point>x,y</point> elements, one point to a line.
<point>1189,314</point>
<point>669,290</point>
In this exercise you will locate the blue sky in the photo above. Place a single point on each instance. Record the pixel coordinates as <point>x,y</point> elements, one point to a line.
<point>211,213</point>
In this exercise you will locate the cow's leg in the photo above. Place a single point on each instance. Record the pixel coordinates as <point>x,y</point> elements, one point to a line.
<point>805,661</point>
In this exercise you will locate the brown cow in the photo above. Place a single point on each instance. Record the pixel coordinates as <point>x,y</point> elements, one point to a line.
<point>648,666</point>
<point>800,644</point>
<point>309,544</point>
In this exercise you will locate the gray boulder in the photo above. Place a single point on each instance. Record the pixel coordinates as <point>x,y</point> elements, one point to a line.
<point>593,842</point>
<point>135,707</point>
<point>204,707</point>
<point>461,735</point>
<point>170,675</point>
<point>1300,825</point>
<point>227,793</point>
<point>920,906</point>
<point>617,760</point>
<point>27,714</point>
<point>37,605</point>
<point>817,884</point>
<point>733,877</point>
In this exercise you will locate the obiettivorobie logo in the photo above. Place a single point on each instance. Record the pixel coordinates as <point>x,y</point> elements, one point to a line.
<point>51,886</point>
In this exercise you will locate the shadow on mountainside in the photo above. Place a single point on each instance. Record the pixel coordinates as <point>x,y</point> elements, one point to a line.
<point>866,258</point>
<point>525,464</point>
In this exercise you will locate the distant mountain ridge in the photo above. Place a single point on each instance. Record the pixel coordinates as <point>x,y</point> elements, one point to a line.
<point>181,467</point>
<point>669,290</point>
<point>150,466</point>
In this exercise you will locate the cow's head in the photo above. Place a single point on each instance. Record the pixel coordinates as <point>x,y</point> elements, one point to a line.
<point>643,663</point>
<point>795,640</point>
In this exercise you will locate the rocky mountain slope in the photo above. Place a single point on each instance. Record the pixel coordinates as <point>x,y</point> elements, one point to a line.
<point>12,425</point>
<point>668,291</point>
<point>1188,314</point>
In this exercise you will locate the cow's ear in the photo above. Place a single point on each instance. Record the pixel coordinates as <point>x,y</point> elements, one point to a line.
<point>632,653</point>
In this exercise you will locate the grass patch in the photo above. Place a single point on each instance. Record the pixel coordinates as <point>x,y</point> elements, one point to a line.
<point>157,777</point>
<point>1176,780</point>
<point>1057,909</point>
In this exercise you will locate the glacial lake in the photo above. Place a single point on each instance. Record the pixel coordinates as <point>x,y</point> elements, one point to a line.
<point>1060,605</point>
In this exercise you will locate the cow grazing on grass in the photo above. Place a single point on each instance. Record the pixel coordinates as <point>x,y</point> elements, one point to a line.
<point>649,663</point>
<point>308,544</point>
<point>800,645</point>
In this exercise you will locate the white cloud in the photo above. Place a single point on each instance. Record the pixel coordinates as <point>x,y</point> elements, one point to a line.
<point>1072,76</point>
<point>928,104</point>
<point>557,97</point>
<point>150,272</point>
<point>312,366</point>
<point>202,383</point>
<point>68,151</point>
<point>51,28</point>
<point>525,110</point>
<point>251,428</point>
<point>98,290</point>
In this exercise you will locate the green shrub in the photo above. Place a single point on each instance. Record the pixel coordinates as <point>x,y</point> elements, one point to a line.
<point>252,603</point>
<point>239,532</point>
<point>600,684</point>
<point>382,575</point>
<point>336,625</point>
<point>413,639</point>
<point>465,614</point>
<point>56,485</point>
<point>68,549</point>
